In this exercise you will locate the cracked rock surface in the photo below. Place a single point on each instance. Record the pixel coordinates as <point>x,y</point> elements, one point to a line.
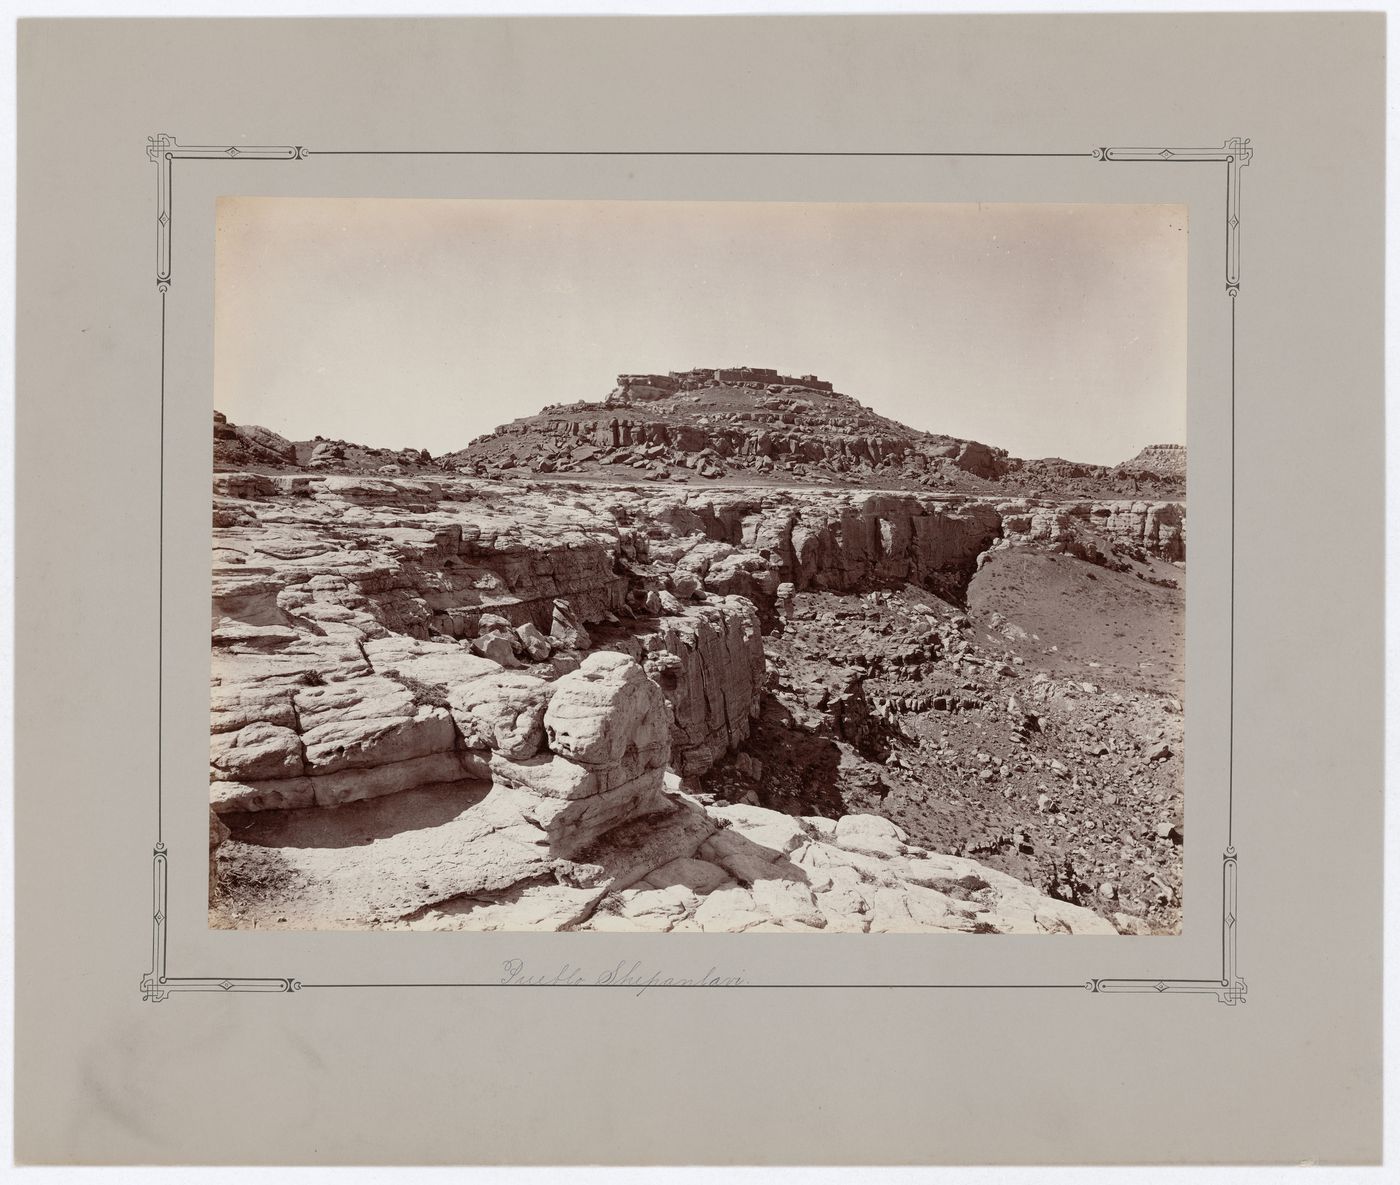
<point>446,702</point>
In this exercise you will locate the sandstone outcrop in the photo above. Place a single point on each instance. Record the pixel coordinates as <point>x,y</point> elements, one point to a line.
<point>750,545</point>
<point>1166,460</point>
<point>1137,527</point>
<point>708,661</point>
<point>682,867</point>
<point>752,423</point>
<point>239,444</point>
<point>501,685</point>
<point>608,743</point>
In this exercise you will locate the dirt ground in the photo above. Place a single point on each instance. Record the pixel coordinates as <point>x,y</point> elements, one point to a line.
<point>1038,728</point>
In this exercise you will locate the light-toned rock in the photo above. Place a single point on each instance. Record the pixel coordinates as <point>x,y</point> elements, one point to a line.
<point>773,830</point>
<point>699,876</point>
<point>347,785</point>
<point>367,743</point>
<point>729,911</point>
<point>745,860</point>
<point>608,713</point>
<point>546,775</point>
<point>708,661</point>
<point>607,744</point>
<point>367,698</point>
<point>258,750</point>
<point>499,647</point>
<point>503,712</point>
<point>434,663</point>
<point>536,645</point>
<point>344,616</point>
<point>787,901</point>
<point>565,629</point>
<point>232,708</point>
<point>871,835</point>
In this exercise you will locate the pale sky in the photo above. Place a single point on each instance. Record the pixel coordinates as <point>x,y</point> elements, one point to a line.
<point>1048,330</point>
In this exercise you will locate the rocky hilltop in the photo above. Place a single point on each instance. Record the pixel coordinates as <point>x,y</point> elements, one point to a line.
<point>753,424</point>
<point>238,446</point>
<point>461,703</point>
<point>1165,460</point>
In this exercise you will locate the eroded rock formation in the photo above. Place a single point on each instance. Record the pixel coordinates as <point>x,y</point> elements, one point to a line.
<point>751,423</point>
<point>727,651</point>
<point>500,686</point>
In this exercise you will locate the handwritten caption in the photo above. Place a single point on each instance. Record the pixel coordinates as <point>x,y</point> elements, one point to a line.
<point>635,974</point>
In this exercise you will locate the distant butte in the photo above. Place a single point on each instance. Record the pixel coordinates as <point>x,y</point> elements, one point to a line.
<point>746,423</point>
<point>736,425</point>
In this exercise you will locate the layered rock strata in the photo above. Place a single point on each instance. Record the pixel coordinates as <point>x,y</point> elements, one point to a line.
<point>526,665</point>
<point>1138,528</point>
<point>752,423</point>
<point>708,661</point>
<point>682,867</point>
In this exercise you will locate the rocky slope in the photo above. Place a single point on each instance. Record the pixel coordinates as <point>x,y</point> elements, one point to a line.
<point>1166,460</point>
<point>249,447</point>
<point>474,704</point>
<point>747,424</point>
<point>237,445</point>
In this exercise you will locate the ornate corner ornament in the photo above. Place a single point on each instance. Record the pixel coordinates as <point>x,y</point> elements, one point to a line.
<point>1230,988</point>
<point>164,150</point>
<point>156,985</point>
<point>1235,153</point>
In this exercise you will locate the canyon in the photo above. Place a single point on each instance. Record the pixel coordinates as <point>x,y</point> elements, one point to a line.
<point>600,700</point>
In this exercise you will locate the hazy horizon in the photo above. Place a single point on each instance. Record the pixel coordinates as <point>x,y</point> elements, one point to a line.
<point>1047,330</point>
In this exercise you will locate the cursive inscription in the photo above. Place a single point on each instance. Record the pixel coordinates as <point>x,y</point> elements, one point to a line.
<point>636,975</point>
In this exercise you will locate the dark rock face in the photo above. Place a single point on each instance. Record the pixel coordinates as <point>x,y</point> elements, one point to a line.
<point>979,460</point>
<point>236,444</point>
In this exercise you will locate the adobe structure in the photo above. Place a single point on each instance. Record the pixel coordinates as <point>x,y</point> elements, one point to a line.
<point>659,386</point>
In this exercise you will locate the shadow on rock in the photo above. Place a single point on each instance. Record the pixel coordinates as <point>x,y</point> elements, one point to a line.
<point>355,824</point>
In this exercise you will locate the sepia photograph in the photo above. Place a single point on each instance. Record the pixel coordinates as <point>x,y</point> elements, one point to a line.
<point>647,566</point>
<point>720,476</point>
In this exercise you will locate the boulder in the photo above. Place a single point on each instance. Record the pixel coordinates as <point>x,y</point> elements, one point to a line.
<point>496,640</point>
<point>685,585</point>
<point>607,743</point>
<point>376,741</point>
<point>535,644</point>
<point>606,711</point>
<point>870,835</point>
<point>502,712</point>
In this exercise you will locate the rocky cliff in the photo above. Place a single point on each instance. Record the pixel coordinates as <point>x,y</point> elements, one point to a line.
<point>1165,460</point>
<point>753,424</point>
<point>494,683</point>
<point>237,445</point>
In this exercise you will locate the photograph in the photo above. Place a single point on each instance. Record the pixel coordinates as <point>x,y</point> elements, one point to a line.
<point>707,475</point>
<point>652,566</point>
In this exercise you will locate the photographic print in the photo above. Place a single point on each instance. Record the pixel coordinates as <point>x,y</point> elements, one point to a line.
<point>698,566</point>
<point>652,496</point>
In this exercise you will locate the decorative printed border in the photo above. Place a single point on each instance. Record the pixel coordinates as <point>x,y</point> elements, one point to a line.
<point>164,150</point>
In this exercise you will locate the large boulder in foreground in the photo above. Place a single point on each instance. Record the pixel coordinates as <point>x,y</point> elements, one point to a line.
<point>503,712</point>
<point>607,734</point>
<point>608,714</point>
